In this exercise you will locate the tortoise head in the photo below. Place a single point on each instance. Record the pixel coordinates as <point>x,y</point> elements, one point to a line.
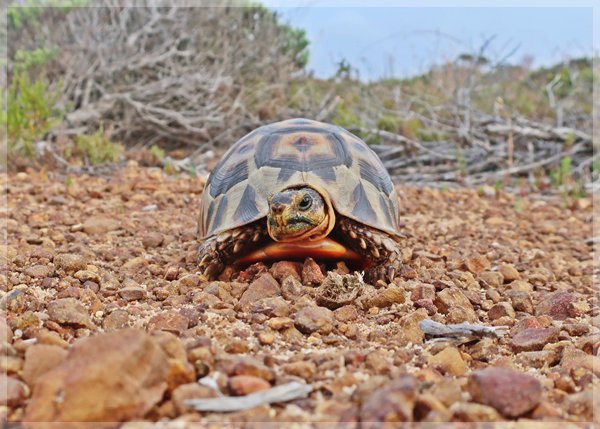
<point>299,213</point>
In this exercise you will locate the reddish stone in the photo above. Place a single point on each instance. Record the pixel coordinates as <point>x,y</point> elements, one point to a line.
<point>41,358</point>
<point>559,306</point>
<point>241,385</point>
<point>281,270</point>
<point>263,287</point>
<point>423,291</point>
<point>12,391</point>
<point>533,339</point>
<point>510,392</point>
<point>152,239</point>
<point>427,304</point>
<point>525,323</point>
<point>311,273</point>
<point>477,264</point>
<point>69,311</point>
<point>394,402</point>
<point>502,309</point>
<point>169,321</point>
<point>314,319</point>
<point>250,366</point>
<point>127,370</point>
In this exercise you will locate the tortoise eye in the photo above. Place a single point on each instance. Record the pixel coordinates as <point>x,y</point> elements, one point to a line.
<point>305,203</point>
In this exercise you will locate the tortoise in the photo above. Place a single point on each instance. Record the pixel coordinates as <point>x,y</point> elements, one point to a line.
<point>300,188</point>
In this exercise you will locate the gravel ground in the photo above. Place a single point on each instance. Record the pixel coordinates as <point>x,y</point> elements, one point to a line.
<point>104,317</point>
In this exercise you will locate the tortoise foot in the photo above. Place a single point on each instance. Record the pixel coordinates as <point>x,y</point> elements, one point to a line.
<point>227,247</point>
<point>378,247</point>
<point>385,271</point>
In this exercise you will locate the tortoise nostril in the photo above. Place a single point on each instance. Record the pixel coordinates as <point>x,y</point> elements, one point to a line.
<point>277,208</point>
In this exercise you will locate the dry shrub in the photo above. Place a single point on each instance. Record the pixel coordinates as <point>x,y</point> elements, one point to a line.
<point>154,72</point>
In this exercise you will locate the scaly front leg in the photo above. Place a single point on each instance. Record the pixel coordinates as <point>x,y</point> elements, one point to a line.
<point>224,248</point>
<point>381,248</point>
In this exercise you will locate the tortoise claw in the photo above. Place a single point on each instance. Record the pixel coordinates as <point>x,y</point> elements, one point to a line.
<point>384,271</point>
<point>212,270</point>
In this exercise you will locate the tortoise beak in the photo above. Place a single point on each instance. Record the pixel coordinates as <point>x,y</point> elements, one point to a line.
<point>278,208</point>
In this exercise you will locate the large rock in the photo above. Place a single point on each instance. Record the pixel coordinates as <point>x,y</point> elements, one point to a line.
<point>241,385</point>
<point>70,263</point>
<point>311,273</point>
<point>314,319</point>
<point>510,392</point>
<point>170,321</point>
<point>38,271</point>
<point>449,361</point>
<point>263,287</point>
<point>6,333</point>
<point>393,403</point>
<point>100,225</point>
<point>109,377</point>
<point>41,358</point>
<point>559,306</point>
<point>533,339</point>
<point>69,311</point>
<point>12,391</point>
<point>455,305</point>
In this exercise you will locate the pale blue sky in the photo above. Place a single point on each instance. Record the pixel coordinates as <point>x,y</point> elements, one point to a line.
<point>401,41</point>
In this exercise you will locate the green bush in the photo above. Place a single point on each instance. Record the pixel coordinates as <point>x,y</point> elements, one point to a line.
<point>31,113</point>
<point>389,123</point>
<point>97,148</point>
<point>26,60</point>
<point>157,153</point>
<point>30,11</point>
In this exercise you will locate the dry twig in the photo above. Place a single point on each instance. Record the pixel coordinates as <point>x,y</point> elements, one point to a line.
<point>460,330</point>
<point>281,393</point>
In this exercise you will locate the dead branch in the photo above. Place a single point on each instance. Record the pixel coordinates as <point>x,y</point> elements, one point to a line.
<point>465,329</point>
<point>150,68</point>
<point>277,394</point>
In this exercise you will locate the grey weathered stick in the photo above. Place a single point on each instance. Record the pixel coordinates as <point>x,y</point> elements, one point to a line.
<point>435,329</point>
<point>282,393</point>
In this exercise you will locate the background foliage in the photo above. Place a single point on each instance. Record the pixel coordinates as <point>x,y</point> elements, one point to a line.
<point>150,74</point>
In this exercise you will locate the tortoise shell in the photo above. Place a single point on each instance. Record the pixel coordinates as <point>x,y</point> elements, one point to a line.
<point>297,152</point>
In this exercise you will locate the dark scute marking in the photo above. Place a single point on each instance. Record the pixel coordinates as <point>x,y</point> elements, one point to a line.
<point>265,155</point>
<point>246,210</point>
<point>302,129</point>
<point>213,222</point>
<point>227,178</point>
<point>376,175</point>
<point>264,150</point>
<point>210,211</point>
<point>362,209</point>
<point>359,146</point>
<point>341,150</point>
<point>327,174</point>
<point>384,202</point>
<point>234,149</point>
<point>284,174</point>
<point>245,148</point>
<point>303,144</point>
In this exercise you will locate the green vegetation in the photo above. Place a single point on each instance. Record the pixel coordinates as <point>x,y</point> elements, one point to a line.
<point>518,204</point>
<point>296,43</point>
<point>157,153</point>
<point>596,166</point>
<point>31,113</point>
<point>562,177</point>
<point>97,148</point>
<point>266,80</point>
<point>30,10</point>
